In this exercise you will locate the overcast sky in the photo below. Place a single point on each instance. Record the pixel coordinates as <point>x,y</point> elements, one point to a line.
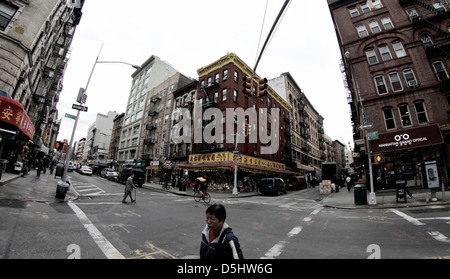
<point>192,34</point>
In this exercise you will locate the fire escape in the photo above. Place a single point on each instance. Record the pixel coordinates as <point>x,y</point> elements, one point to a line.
<point>431,18</point>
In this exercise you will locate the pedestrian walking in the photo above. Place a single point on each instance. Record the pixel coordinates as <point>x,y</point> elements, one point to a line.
<point>129,186</point>
<point>39,167</point>
<point>349,182</point>
<point>218,240</point>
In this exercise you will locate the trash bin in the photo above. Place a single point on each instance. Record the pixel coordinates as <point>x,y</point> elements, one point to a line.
<point>360,194</point>
<point>61,190</point>
<point>59,170</point>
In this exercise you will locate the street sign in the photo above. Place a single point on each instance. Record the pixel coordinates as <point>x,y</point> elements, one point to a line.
<point>79,107</point>
<point>373,136</point>
<point>366,126</point>
<point>70,116</point>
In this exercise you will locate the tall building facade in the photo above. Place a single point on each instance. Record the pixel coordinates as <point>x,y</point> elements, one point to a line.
<point>307,149</point>
<point>99,138</point>
<point>35,37</point>
<point>396,60</point>
<point>152,73</point>
<point>228,126</point>
<point>157,121</point>
<point>115,138</point>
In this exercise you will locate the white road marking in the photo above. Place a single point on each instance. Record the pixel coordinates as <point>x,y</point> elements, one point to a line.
<point>408,218</point>
<point>107,248</point>
<point>277,249</point>
<point>439,237</point>
<point>295,231</point>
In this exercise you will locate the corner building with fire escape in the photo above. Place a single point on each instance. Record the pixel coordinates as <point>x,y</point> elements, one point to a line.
<point>221,86</point>
<point>396,60</point>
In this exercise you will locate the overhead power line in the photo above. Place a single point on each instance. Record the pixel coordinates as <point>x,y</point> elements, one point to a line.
<point>283,9</point>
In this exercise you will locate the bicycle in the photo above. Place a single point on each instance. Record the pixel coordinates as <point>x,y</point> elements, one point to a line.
<point>199,195</point>
<point>166,185</point>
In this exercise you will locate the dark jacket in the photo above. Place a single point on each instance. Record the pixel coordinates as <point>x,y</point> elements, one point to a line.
<point>226,246</point>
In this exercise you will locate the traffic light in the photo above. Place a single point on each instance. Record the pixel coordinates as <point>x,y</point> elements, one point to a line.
<point>59,145</point>
<point>248,83</point>
<point>263,87</point>
<point>378,158</point>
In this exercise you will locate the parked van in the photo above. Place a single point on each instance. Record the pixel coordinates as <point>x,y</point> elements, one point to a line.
<point>272,186</point>
<point>139,176</point>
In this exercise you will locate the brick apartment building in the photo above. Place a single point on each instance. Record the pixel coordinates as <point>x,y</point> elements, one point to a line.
<point>220,87</point>
<point>396,59</point>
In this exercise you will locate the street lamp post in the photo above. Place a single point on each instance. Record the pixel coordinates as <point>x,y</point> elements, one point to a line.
<point>364,127</point>
<point>66,165</point>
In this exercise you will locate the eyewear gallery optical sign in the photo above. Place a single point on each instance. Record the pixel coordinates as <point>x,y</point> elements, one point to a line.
<point>407,139</point>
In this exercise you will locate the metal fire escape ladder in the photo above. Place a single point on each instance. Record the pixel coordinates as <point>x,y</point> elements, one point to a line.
<point>428,23</point>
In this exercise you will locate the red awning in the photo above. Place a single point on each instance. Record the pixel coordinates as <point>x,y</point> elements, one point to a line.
<point>13,113</point>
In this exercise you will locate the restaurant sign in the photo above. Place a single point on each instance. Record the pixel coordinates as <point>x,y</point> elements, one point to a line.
<point>229,158</point>
<point>407,139</point>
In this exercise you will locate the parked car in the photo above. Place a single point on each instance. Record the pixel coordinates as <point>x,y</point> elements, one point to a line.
<point>297,183</point>
<point>111,175</point>
<point>272,186</point>
<point>86,170</point>
<point>104,171</point>
<point>139,176</point>
<point>71,166</point>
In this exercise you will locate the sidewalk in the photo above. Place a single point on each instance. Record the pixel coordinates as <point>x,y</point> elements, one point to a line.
<point>385,199</point>
<point>215,194</point>
<point>32,188</point>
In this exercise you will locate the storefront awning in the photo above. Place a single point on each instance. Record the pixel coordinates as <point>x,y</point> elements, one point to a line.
<point>407,139</point>
<point>231,165</point>
<point>13,117</point>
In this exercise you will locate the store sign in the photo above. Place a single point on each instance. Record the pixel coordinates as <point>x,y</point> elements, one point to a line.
<point>12,112</point>
<point>407,139</point>
<point>229,157</point>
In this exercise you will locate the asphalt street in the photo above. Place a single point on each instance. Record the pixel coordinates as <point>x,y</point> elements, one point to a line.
<point>164,225</point>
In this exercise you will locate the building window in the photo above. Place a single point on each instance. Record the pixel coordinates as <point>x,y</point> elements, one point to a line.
<point>371,56</point>
<point>216,97</point>
<point>236,76</point>
<point>387,23</point>
<point>399,49</point>
<point>235,96</point>
<point>440,70</point>
<point>224,95</point>
<point>410,78</point>
<point>404,115</point>
<point>385,53</point>
<point>7,12</point>
<point>353,11</point>
<point>374,27</point>
<point>225,75</point>
<point>217,78</point>
<point>412,13</point>
<point>362,31</point>
<point>365,8</point>
<point>421,112</point>
<point>389,118</point>
<point>395,82</point>
<point>381,85</point>
<point>426,40</point>
<point>438,6</point>
<point>377,4</point>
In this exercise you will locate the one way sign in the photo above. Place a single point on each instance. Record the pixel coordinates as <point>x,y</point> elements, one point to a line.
<point>79,107</point>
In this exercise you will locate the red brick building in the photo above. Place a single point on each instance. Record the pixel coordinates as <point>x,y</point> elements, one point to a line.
<point>223,81</point>
<point>396,58</point>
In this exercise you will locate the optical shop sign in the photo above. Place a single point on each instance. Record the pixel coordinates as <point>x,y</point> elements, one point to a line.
<point>407,139</point>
